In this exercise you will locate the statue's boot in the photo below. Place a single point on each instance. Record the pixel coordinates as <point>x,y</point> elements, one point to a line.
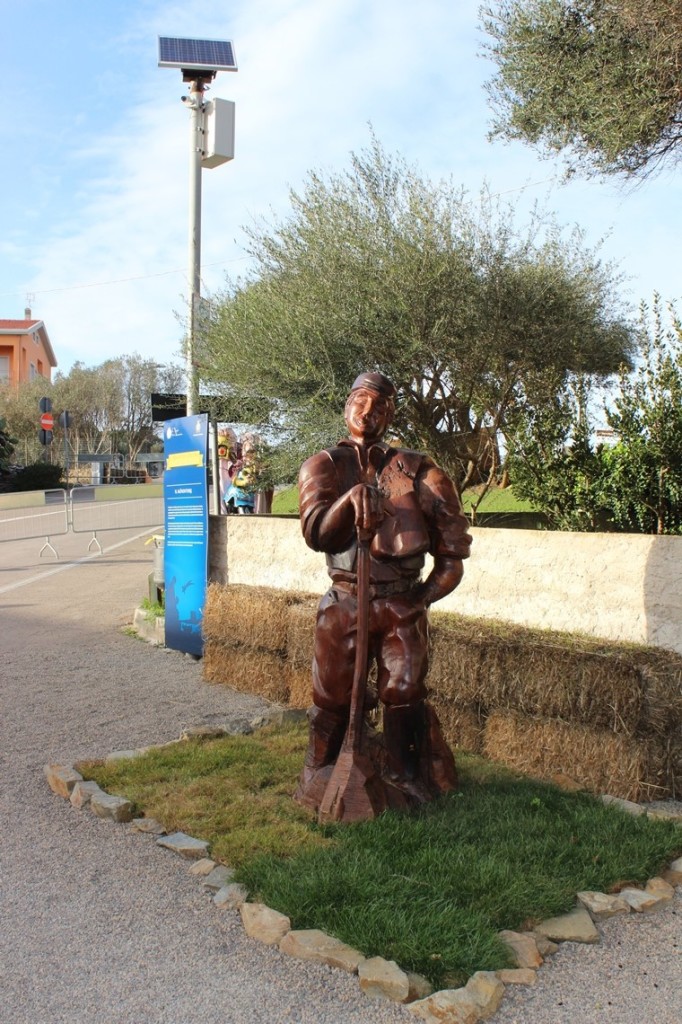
<point>404,727</point>
<point>420,761</point>
<point>325,736</point>
<point>437,760</point>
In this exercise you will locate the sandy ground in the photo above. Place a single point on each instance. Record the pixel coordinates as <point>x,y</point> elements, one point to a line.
<point>100,926</point>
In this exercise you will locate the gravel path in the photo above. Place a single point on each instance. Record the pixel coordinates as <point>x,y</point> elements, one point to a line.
<point>100,926</point>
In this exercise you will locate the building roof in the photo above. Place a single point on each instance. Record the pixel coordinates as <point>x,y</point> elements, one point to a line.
<point>30,327</point>
<point>18,326</point>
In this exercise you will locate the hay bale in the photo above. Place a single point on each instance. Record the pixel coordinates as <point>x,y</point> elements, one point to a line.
<point>300,686</point>
<point>301,633</point>
<point>599,703</point>
<point>252,617</point>
<point>597,759</point>
<point>248,671</point>
<point>630,690</point>
<point>463,727</point>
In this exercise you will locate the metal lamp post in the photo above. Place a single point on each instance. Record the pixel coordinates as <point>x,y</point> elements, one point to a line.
<point>211,143</point>
<point>195,101</point>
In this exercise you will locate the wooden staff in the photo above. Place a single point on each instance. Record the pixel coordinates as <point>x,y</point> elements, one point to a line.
<point>355,790</point>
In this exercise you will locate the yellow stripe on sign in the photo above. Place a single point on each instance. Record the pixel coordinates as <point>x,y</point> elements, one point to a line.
<point>185,459</point>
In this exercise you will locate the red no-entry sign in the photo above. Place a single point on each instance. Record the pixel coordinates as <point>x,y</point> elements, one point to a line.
<point>47,421</point>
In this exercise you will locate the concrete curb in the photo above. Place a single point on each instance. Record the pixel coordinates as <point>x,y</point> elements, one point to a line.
<point>152,629</point>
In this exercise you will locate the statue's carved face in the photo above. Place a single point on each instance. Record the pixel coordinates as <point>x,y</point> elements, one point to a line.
<point>368,415</point>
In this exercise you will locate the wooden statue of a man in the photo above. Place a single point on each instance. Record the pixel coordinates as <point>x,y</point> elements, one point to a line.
<point>409,507</point>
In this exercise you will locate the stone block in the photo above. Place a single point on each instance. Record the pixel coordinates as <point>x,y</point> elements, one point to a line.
<point>238,727</point>
<point>153,630</point>
<point>383,979</point>
<point>517,976</point>
<point>674,873</point>
<point>264,924</point>
<point>665,811</point>
<point>643,902</point>
<point>82,793</point>
<point>545,946</point>
<point>449,1006</point>
<point>62,778</point>
<point>576,926</point>
<point>150,826</point>
<point>218,877</point>
<point>258,722</point>
<point>486,989</point>
<point>601,905</point>
<point>524,948</point>
<point>203,732</point>
<point>121,755</point>
<point>286,716</point>
<point>184,845</point>
<point>116,808</point>
<point>624,805</point>
<point>231,896</point>
<point>661,888</point>
<point>202,867</point>
<point>420,987</point>
<point>313,944</point>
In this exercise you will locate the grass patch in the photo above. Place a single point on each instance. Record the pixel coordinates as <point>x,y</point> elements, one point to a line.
<point>235,792</point>
<point>430,889</point>
<point>127,492</point>
<point>285,502</point>
<point>497,499</point>
<point>152,609</point>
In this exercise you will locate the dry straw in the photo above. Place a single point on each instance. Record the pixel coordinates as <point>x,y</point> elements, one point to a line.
<point>463,727</point>
<point>633,691</point>
<point>247,616</point>
<point>300,686</point>
<point>607,715</point>
<point>247,671</point>
<point>597,760</point>
<point>301,634</point>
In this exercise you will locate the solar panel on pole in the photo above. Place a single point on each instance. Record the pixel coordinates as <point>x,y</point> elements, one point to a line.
<point>199,54</point>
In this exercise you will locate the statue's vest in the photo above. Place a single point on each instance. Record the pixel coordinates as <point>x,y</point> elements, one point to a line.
<point>403,533</point>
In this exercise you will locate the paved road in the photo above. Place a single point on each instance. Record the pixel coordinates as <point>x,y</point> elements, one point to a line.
<point>99,926</point>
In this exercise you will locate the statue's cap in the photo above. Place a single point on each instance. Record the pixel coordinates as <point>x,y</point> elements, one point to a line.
<point>375,382</point>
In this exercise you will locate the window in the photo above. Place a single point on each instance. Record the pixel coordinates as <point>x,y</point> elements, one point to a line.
<point>33,373</point>
<point>4,368</point>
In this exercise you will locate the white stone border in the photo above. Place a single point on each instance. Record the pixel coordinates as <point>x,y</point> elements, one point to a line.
<point>378,978</point>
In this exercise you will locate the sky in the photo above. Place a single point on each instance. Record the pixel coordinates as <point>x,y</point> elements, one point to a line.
<point>94,193</point>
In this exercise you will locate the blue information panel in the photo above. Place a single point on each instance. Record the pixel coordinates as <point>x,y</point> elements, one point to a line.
<point>185,492</point>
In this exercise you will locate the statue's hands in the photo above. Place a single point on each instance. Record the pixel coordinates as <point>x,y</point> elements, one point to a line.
<point>368,507</point>
<point>441,581</point>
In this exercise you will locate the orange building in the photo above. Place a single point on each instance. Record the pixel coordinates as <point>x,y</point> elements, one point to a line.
<point>25,350</point>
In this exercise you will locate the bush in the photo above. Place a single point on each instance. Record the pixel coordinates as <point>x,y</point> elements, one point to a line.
<point>38,476</point>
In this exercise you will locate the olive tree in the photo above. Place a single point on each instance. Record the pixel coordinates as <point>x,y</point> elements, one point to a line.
<point>598,80</point>
<point>471,314</point>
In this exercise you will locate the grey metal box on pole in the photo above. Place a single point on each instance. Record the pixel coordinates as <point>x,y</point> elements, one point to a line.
<point>219,132</point>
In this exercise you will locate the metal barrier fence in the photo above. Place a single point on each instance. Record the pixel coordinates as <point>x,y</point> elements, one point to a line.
<point>84,510</point>
<point>33,514</point>
<point>109,508</point>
